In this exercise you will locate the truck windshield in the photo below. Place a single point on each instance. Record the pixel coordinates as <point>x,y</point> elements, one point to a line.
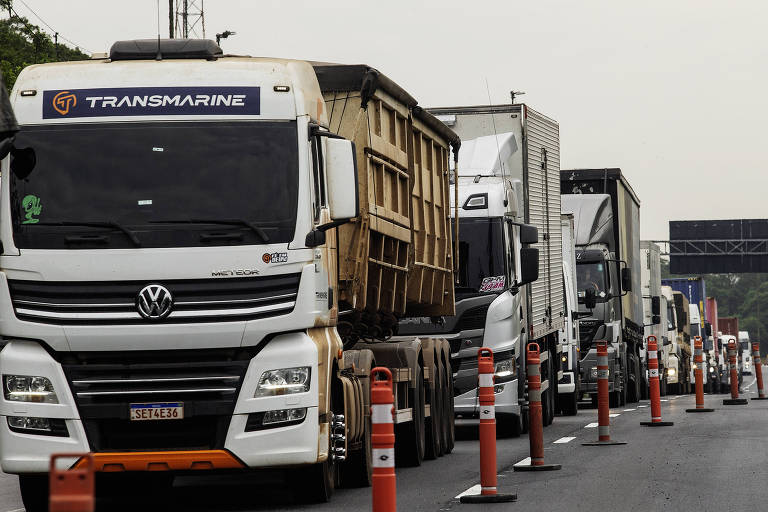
<point>592,276</point>
<point>481,256</point>
<point>169,184</point>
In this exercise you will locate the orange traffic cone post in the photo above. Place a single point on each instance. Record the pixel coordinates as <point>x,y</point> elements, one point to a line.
<point>383,489</point>
<point>734,367</point>
<point>653,385</point>
<point>488,478</point>
<point>603,410</point>
<point>536,423</point>
<point>698,373</point>
<point>72,490</point>
<point>758,372</point>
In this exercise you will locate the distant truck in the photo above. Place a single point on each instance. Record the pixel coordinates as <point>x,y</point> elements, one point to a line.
<point>569,385</point>
<point>607,215</point>
<point>695,290</point>
<point>717,362</point>
<point>729,325</point>
<point>746,352</point>
<point>509,233</point>
<point>654,312</point>
<point>685,353</point>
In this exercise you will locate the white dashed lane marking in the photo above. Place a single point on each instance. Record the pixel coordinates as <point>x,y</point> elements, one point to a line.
<point>627,410</point>
<point>563,440</point>
<point>591,425</point>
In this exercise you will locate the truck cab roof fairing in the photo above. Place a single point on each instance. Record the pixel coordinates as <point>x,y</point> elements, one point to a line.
<point>486,155</point>
<point>595,206</point>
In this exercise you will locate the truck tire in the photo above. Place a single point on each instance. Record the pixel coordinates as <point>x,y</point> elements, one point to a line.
<point>570,404</point>
<point>509,425</point>
<point>34,492</point>
<point>433,447</point>
<point>449,425</point>
<point>321,478</point>
<point>410,436</point>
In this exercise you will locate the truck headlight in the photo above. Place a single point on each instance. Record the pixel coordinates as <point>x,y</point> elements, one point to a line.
<point>26,388</point>
<point>671,371</point>
<point>284,381</point>
<point>711,369</point>
<point>504,370</point>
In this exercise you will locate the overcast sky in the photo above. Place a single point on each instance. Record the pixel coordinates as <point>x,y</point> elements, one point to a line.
<point>673,92</point>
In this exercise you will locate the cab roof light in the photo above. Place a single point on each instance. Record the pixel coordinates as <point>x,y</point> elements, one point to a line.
<point>281,88</point>
<point>28,92</point>
<point>476,202</point>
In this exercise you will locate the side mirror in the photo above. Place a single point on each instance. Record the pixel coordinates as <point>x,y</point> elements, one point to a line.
<point>529,265</point>
<point>528,234</point>
<point>590,299</point>
<point>341,177</point>
<point>666,341</point>
<point>655,320</point>
<point>708,329</point>
<point>626,280</point>
<point>656,306</point>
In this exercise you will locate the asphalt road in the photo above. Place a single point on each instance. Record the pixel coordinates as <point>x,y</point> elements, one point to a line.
<point>713,461</point>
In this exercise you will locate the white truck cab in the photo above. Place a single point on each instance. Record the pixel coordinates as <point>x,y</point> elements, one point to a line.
<point>746,352</point>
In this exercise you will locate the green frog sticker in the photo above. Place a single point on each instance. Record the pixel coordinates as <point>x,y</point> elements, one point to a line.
<point>32,207</point>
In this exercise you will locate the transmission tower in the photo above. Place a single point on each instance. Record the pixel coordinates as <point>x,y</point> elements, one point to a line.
<point>189,19</point>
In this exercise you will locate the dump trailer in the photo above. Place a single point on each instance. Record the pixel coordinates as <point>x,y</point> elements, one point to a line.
<point>654,313</point>
<point>607,215</point>
<point>227,318</point>
<point>508,220</point>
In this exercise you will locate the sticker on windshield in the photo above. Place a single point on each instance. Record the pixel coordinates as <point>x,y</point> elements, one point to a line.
<point>32,208</point>
<point>145,202</point>
<point>492,284</point>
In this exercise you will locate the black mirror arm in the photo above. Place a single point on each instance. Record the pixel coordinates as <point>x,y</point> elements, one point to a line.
<point>316,237</point>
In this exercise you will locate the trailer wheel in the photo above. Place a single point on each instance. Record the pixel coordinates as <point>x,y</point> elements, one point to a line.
<point>448,419</point>
<point>410,436</point>
<point>434,424</point>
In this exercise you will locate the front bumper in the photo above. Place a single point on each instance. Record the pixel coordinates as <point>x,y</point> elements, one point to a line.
<point>506,401</point>
<point>567,384</point>
<point>279,446</point>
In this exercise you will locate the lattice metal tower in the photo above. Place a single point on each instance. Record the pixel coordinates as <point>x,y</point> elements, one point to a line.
<point>189,19</point>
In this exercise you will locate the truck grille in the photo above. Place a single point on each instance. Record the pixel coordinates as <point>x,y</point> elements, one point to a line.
<point>114,302</point>
<point>473,318</point>
<point>207,382</point>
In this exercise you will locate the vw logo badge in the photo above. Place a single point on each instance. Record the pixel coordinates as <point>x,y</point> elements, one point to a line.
<point>154,302</point>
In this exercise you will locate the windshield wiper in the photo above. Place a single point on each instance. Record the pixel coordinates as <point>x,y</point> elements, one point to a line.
<point>227,222</point>
<point>101,224</point>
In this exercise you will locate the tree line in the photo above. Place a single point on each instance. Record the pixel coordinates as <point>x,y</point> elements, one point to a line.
<point>23,43</point>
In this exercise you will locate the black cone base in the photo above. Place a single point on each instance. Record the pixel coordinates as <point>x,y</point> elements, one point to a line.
<point>488,498</point>
<point>700,410</point>
<point>603,443</point>
<point>657,423</point>
<point>760,398</point>
<point>541,467</point>
<point>735,401</point>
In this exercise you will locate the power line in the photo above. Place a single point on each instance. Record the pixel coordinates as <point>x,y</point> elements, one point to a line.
<point>79,46</point>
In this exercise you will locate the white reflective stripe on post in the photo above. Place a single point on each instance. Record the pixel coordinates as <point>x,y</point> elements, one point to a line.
<point>534,395</point>
<point>653,372</point>
<point>653,354</point>
<point>533,369</point>
<point>487,412</point>
<point>602,360</point>
<point>697,352</point>
<point>383,458</point>
<point>602,374</point>
<point>381,413</point>
<point>603,430</point>
<point>488,489</point>
<point>486,380</point>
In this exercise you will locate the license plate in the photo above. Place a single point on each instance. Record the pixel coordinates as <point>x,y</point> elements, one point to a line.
<point>160,411</point>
